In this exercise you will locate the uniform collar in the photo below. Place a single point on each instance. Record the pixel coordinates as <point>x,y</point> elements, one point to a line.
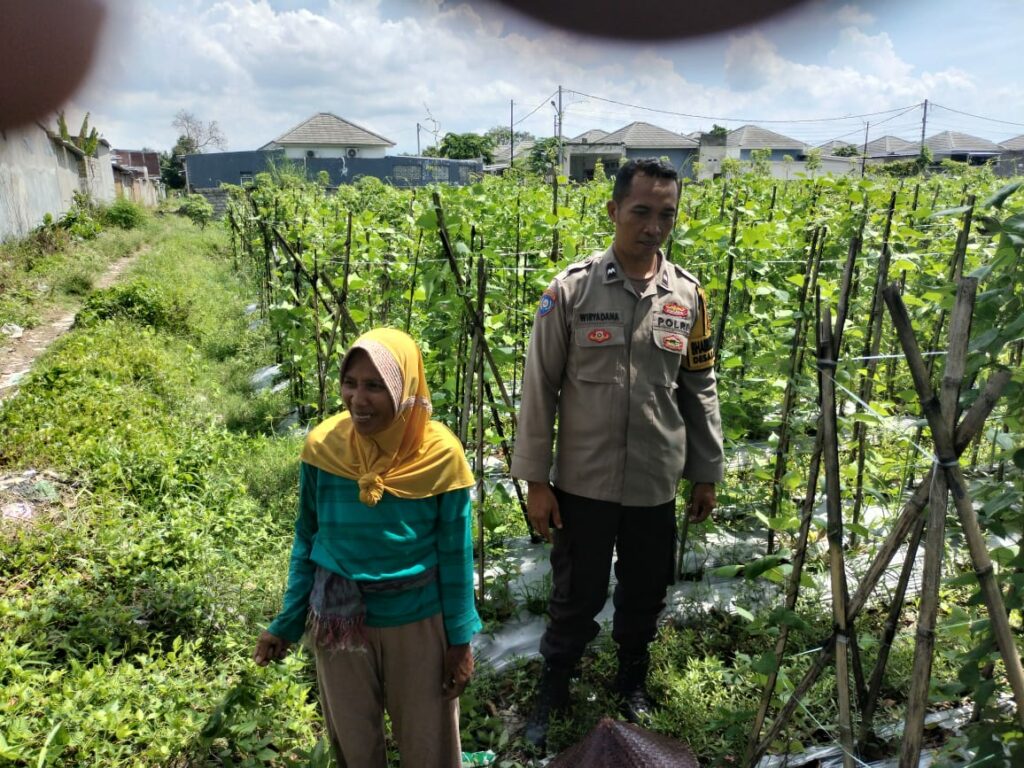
<point>611,270</point>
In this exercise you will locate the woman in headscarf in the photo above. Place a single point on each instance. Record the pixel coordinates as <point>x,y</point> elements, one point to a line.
<point>381,574</point>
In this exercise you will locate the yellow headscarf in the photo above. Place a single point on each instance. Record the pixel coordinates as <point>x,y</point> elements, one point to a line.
<point>414,457</point>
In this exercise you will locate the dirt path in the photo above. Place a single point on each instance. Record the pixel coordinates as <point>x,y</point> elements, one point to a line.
<point>17,355</point>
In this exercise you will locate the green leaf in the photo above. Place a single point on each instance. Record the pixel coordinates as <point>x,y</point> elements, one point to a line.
<point>767,664</point>
<point>1018,458</point>
<point>959,210</point>
<point>743,612</point>
<point>727,571</point>
<point>756,568</point>
<point>1001,195</point>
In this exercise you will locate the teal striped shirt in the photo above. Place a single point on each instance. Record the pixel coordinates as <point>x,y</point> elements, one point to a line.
<point>396,538</point>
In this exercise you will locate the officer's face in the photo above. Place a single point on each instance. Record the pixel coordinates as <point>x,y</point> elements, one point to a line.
<point>366,395</point>
<point>644,218</point>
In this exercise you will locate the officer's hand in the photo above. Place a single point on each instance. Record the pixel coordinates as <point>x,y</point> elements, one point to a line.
<point>458,669</point>
<point>542,508</point>
<point>270,648</point>
<point>702,502</point>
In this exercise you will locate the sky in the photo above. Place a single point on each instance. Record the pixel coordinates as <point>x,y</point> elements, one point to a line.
<point>823,71</point>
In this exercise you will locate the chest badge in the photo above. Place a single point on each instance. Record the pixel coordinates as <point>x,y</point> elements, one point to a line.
<point>676,310</point>
<point>674,343</point>
<point>599,335</point>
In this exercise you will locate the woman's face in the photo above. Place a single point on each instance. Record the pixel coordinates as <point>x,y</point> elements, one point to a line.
<point>365,395</point>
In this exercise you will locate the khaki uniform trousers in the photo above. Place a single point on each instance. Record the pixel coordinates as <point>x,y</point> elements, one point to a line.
<point>401,672</point>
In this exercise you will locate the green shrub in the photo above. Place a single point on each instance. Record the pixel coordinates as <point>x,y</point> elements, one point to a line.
<point>76,282</point>
<point>198,209</point>
<point>125,214</point>
<point>137,301</point>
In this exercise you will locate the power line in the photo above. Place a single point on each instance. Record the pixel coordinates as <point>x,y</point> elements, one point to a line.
<point>977,117</point>
<point>742,119</point>
<point>545,101</point>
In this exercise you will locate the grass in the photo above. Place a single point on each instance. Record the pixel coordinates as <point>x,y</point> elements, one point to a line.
<point>44,273</point>
<point>127,613</point>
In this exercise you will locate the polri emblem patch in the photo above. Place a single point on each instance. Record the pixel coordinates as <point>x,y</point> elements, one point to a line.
<point>547,302</point>
<point>674,343</point>
<point>676,310</point>
<point>599,335</point>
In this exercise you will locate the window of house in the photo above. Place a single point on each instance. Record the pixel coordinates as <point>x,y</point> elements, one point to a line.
<point>245,178</point>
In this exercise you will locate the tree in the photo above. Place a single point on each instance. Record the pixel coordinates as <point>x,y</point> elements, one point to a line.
<point>200,135</point>
<point>760,160</point>
<point>813,162</point>
<point>544,155</point>
<point>847,150</point>
<point>466,146</point>
<point>718,130</point>
<point>499,135</point>
<point>172,164</point>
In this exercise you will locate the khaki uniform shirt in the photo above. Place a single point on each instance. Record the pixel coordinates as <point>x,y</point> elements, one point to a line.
<point>632,379</point>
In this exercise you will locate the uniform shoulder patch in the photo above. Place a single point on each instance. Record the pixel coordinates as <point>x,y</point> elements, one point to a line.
<point>578,267</point>
<point>548,300</point>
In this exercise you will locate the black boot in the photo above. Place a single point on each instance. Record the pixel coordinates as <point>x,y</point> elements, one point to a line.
<point>552,698</point>
<point>631,686</point>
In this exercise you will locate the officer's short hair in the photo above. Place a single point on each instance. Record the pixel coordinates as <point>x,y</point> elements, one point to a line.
<point>648,166</point>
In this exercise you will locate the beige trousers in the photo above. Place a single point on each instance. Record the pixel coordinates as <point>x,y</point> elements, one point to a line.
<point>401,672</point>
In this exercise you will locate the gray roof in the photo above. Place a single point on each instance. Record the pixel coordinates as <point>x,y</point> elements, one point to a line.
<point>589,137</point>
<point>1016,144</point>
<point>500,152</point>
<point>326,129</point>
<point>891,145</point>
<point>755,137</point>
<point>953,142</point>
<point>647,136</point>
<point>831,146</point>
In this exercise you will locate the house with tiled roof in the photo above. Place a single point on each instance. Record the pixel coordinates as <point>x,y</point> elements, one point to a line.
<point>962,147</point>
<point>582,153</point>
<point>326,135</point>
<point>786,156</point>
<point>503,154</point>
<point>743,140</point>
<point>1011,160</point>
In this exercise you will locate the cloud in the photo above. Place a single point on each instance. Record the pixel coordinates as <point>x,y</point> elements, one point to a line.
<point>854,16</point>
<point>260,67</point>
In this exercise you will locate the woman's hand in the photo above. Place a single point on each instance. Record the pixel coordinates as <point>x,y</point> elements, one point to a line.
<point>458,669</point>
<point>270,648</point>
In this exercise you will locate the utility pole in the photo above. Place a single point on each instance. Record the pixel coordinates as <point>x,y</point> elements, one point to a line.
<point>864,154</point>
<point>511,132</point>
<point>417,139</point>
<point>560,159</point>
<point>924,124</point>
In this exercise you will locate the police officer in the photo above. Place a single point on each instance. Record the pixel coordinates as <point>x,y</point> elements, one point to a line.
<point>622,352</point>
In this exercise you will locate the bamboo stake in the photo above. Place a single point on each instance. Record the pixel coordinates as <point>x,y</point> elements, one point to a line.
<point>935,538</point>
<point>970,425</point>
<point>453,264</point>
<point>944,445</point>
<point>481,489</point>
<point>795,361</point>
<point>871,346</point>
<point>888,634</point>
<point>837,566</point>
<point>731,250</point>
<point>807,508</point>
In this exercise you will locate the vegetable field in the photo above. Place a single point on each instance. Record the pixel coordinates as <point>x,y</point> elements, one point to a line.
<point>461,269</point>
<point>870,337</point>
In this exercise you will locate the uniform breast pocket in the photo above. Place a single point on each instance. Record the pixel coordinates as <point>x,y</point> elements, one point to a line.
<point>600,352</point>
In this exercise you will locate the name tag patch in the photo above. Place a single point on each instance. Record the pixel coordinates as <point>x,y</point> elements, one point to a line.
<point>676,323</point>
<point>608,316</point>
